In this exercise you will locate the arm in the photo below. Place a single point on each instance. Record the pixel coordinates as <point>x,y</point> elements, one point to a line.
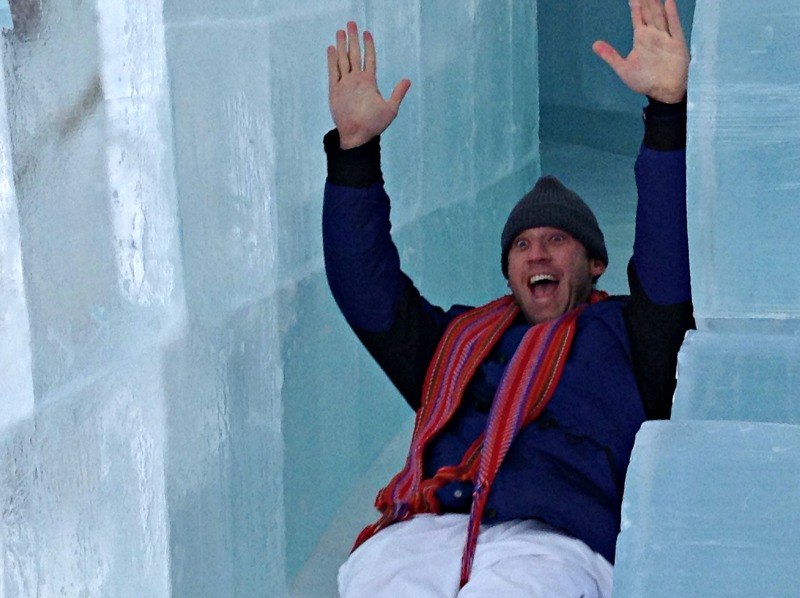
<point>359,111</point>
<point>361,261</point>
<point>660,310</point>
<point>658,64</point>
<point>396,325</point>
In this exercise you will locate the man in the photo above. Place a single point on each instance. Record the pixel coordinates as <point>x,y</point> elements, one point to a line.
<point>527,407</point>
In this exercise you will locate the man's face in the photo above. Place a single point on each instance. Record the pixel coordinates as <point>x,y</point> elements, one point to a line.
<point>549,273</point>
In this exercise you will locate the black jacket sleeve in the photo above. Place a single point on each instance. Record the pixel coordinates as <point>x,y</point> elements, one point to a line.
<point>660,311</point>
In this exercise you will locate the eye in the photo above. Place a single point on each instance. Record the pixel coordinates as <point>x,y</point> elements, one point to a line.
<point>558,238</point>
<point>520,243</point>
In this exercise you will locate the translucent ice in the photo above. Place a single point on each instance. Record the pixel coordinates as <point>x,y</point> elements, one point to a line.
<point>177,364</point>
<point>5,15</point>
<point>738,376</point>
<point>709,496</point>
<point>16,391</point>
<point>742,159</point>
<point>709,510</point>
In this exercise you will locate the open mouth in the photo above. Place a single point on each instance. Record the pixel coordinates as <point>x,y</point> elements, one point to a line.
<point>542,285</point>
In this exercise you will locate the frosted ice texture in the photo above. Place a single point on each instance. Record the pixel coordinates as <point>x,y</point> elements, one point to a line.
<point>711,510</point>
<point>178,371</point>
<point>16,392</point>
<point>743,189</point>
<point>5,15</point>
<point>738,376</point>
<point>84,510</point>
<point>184,407</point>
<point>711,498</point>
<point>742,159</point>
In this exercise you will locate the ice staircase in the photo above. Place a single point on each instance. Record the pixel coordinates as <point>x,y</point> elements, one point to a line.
<point>712,498</point>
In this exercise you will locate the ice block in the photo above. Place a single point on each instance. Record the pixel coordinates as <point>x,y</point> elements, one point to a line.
<point>710,509</point>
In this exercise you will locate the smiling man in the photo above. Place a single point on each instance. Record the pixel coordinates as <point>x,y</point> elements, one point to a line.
<point>526,407</point>
<point>552,251</point>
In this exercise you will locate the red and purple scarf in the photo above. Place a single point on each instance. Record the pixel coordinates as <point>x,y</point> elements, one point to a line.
<point>527,385</point>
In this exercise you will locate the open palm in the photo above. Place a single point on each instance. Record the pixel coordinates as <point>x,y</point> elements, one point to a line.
<point>658,64</point>
<point>359,110</point>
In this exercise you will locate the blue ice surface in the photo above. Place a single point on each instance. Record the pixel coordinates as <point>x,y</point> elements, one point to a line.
<point>742,159</point>
<point>5,15</point>
<point>710,509</point>
<point>738,376</point>
<point>276,421</point>
<point>711,497</point>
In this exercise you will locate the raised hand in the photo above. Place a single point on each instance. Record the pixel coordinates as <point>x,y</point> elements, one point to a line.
<point>359,110</point>
<point>658,64</point>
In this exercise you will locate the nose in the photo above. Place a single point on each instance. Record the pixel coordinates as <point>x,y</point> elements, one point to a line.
<point>537,251</point>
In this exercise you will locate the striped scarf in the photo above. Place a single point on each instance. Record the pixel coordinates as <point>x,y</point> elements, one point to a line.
<point>524,390</point>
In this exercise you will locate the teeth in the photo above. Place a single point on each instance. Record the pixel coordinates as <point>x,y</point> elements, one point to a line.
<point>540,278</point>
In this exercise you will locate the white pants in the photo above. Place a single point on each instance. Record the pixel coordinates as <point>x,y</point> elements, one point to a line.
<point>421,558</point>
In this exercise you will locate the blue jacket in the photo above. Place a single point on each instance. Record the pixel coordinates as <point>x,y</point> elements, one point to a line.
<point>568,467</point>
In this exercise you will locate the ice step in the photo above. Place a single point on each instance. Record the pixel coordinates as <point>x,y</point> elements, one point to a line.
<point>711,508</point>
<point>748,376</point>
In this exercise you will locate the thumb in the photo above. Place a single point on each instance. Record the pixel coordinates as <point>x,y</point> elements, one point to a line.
<point>398,93</point>
<point>609,55</point>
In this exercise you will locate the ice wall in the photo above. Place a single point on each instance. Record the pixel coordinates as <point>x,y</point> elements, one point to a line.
<point>5,15</point>
<point>711,498</point>
<point>710,510</point>
<point>184,409</point>
<point>743,161</point>
<point>91,292</point>
<point>743,203</point>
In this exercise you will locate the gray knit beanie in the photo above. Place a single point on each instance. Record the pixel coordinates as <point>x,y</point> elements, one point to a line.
<point>550,203</point>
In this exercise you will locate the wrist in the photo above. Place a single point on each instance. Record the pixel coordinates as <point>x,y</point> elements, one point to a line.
<point>671,98</point>
<point>350,140</point>
<point>658,108</point>
<point>672,93</point>
<point>665,125</point>
<point>359,166</point>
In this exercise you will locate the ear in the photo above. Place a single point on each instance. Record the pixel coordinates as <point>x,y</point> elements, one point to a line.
<point>596,268</point>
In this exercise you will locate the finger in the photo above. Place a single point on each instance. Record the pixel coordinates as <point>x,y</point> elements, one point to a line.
<point>654,14</point>
<point>369,53</point>
<point>398,93</point>
<point>609,55</point>
<point>636,14</point>
<point>343,61</point>
<point>333,67</point>
<point>354,47</point>
<point>674,21</point>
